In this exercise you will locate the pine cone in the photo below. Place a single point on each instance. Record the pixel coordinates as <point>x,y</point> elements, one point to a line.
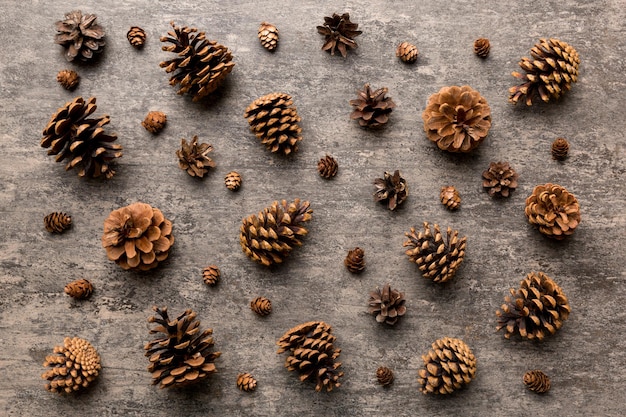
<point>200,66</point>
<point>232,180</point>
<point>457,119</point>
<point>391,190</point>
<point>482,47</point>
<point>312,354</point>
<point>327,167</point>
<point>554,210</point>
<point>155,121</point>
<point>211,275</point>
<point>372,108</point>
<point>450,197</point>
<point>68,79</point>
<point>194,158</point>
<point>437,259</point>
<point>261,305</point>
<point>536,309</point>
<point>407,52</point>
<point>267,238</point>
<point>500,179</point>
<point>268,36</point>
<point>340,33</point>
<point>137,237</point>
<point>355,261</point>
<point>387,305</point>
<point>57,222</point>
<point>246,382</point>
<point>182,354</point>
<point>79,289</point>
<point>560,148</point>
<point>448,366</point>
<point>384,376</point>
<point>549,74</point>
<point>73,366</point>
<point>71,134</point>
<point>136,36</point>
<point>81,35</point>
<point>274,120</point>
<point>537,381</point>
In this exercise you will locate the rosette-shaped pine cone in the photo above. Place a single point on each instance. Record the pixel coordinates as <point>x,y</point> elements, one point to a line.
<point>312,353</point>
<point>267,238</point>
<point>384,376</point>
<point>554,210</point>
<point>450,197</point>
<point>71,134</point>
<point>560,148</point>
<point>232,180</point>
<point>537,381</point>
<point>246,382</point>
<point>137,237</point>
<point>79,289</point>
<point>261,306</point>
<point>538,308</point>
<point>457,119</point>
<point>407,52</point>
<point>200,66</point>
<point>268,36</point>
<point>355,260</point>
<point>548,75</point>
<point>57,222</point>
<point>500,179</point>
<point>211,275</point>
<point>72,367</point>
<point>448,366</point>
<point>372,108</point>
<point>482,47</point>
<point>193,157</point>
<point>340,33</point>
<point>436,257</point>
<point>155,121</point>
<point>274,120</point>
<point>387,305</point>
<point>68,79</point>
<point>391,190</point>
<point>327,167</point>
<point>136,36</point>
<point>81,35</point>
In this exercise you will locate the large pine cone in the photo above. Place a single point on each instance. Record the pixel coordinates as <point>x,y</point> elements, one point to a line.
<point>340,33</point>
<point>391,190</point>
<point>267,238</point>
<point>457,119</point>
<point>536,309</point>
<point>554,210</point>
<point>71,134</point>
<point>548,75</point>
<point>372,108</point>
<point>194,158</point>
<point>81,35</point>
<point>438,259</point>
<point>73,367</point>
<point>448,366</point>
<point>200,66</point>
<point>137,237</point>
<point>500,179</point>
<point>312,354</point>
<point>182,354</point>
<point>387,305</point>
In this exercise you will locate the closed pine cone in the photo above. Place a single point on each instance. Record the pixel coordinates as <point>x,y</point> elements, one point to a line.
<point>387,305</point>
<point>79,289</point>
<point>274,120</point>
<point>384,376</point>
<point>450,197</point>
<point>182,353</point>
<point>327,167</point>
<point>538,308</point>
<point>448,366</point>
<point>268,36</point>
<point>73,366</point>
<point>57,222</point>
<point>554,210</point>
<point>246,382</point>
<point>560,148</point>
<point>537,381</point>
<point>355,260</point>
<point>391,190</point>
<point>438,259</point>
<point>340,33</point>
<point>232,180</point>
<point>482,47</point>
<point>137,237</point>
<point>68,79</point>
<point>372,108</point>
<point>407,52</point>
<point>81,35</point>
<point>193,157</point>
<point>155,121</point>
<point>457,119</point>
<point>136,36</point>
<point>261,305</point>
<point>211,275</point>
<point>500,179</point>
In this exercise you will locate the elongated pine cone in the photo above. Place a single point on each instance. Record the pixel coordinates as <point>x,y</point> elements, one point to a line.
<point>267,238</point>
<point>274,120</point>
<point>74,366</point>
<point>81,35</point>
<point>193,157</point>
<point>137,237</point>
<point>246,382</point>
<point>327,167</point>
<point>200,66</point>
<point>211,275</point>
<point>482,47</point>
<point>391,190</point>
<point>68,79</point>
<point>355,260</point>
<point>500,179</point>
<point>387,305</point>
<point>79,289</point>
<point>554,210</point>
<point>372,108</point>
<point>136,36</point>
<point>261,305</point>
<point>340,33</point>
<point>57,222</point>
<point>71,134</point>
<point>448,366</point>
<point>155,121</point>
<point>312,353</point>
<point>560,148</point>
<point>548,75</point>
<point>407,52</point>
<point>438,259</point>
<point>537,381</point>
<point>384,376</point>
<point>182,354</point>
<point>232,180</point>
<point>457,119</point>
<point>538,308</point>
<point>450,197</point>
<point>268,36</point>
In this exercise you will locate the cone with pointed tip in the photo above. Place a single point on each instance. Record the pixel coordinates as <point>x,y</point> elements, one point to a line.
<point>68,79</point>
<point>407,52</point>
<point>448,366</point>
<point>327,167</point>
<point>155,121</point>
<point>136,36</point>
<point>560,148</point>
<point>450,197</point>
<point>537,381</point>
<point>57,222</point>
<point>500,179</point>
<point>73,366</point>
<point>554,210</point>
<point>384,376</point>
<point>79,289</point>
<point>261,306</point>
<point>268,36</point>
<point>482,47</point>
<point>194,158</point>
<point>80,35</point>
<point>391,190</point>
<point>387,305</point>
<point>340,33</point>
<point>372,108</point>
<point>246,382</point>
<point>355,260</point>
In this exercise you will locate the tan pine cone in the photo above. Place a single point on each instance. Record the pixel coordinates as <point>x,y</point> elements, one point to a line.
<point>391,190</point>
<point>448,366</point>
<point>79,289</point>
<point>384,376</point>
<point>355,260</point>
<point>246,382</point>
<point>211,275</point>
<point>232,180</point>
<point>372,107</point>
<point>554,210</point>
<point>450,197</point>
<point>387,305</point>
<point>537,381</point>
<point>57,222</point>
<point>73,366</point>
<point>261,305</point>
<point>68,79</point>
<point>407,52</point>
<point>560,148</point>
<point>194,158</point>
<point>327,167</point>
<point>268,36</point>
<point>155,121</point>
<point>136,36</point>
<point>500,179</point>
<point>340,33</point>
<point>482,47</point>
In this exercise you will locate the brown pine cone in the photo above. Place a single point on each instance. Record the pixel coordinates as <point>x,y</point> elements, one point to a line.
<point>340,33</point>
<point>261,305</point>
<point>136,36</point>
<point>68,79</point>
<point>448,366</point>
<point>554,210</point>
<point>193,157</point>
<point>384,376</point>
<point>155,121</point>
<point>387,305</point>
<point>500,179</point>
<point>232,180</point>
<point>327,167</point>
<point>246,382</point>
<point>372,108</point>
<point>211,275</point>
<point>560,148</point>
<point>450,197</point>
<point>391,190</point>
<point>355,261</point>
<point>407,52</point>
<point>537,381</point>
<point>73,366</point>
<point>268,36</point>
<point>81,35</point>
<point>79,289</point>
<point>57,222</point>
<point>482,47</point>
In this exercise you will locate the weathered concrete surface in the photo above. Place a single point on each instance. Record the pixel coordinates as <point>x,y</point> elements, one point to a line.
<point>585,360</point>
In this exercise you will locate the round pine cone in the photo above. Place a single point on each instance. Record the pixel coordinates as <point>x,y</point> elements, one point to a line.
<point>448,366</point>
<point>407,52</point>
<point>327,167</point>
<point>372,108</point>
<point>246,382</point>
<point>482,47</point>
<point>261,305</point>
<point>268,36</point>
<point>537,381</point>
<point>340,33</point>
<point>391,190</point>
<point>211,275</point>
<point>155,121</point>
<point>554,210</point>
<point>73,366</point>
<point>193,157</point>
<point>500,179</point>
<point>355,260</point>
<point>136,36</point>
<point>137,237</point>
<point>79,289</point>
<point>384,376</point>
<point>450,197</point>
<point>560,148</point>
<point>387,305</point>
<point>457,119</point>
<point>68,79</point>
<point>232,180</point>
<point>57,222</point>
<point>81,35</point>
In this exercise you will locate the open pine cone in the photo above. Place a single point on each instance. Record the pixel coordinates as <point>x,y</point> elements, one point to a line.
<point>457,119</point>
<point>387,305</point>
<point>81,35</point>
<point>372,108</point>
<point>340,33</point>
<point>500,179</point>
<point>73,366</point>
<point>448,366</point>
<point>554,210</point>
<point>193,157</point>
<point>391,190</point>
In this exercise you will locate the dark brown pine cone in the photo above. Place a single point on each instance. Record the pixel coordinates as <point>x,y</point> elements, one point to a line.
<point>537,381</point>
<point>57,222</point>
<point>372,108</point>
<point>81,35</point>
<point>193,157</point>
<point>340,33</point>
<point>232,180</point>
<point>407,52</point>
<point>554,210</point>
<point>450,197</point>
<point>391,190</point>
<point>482,47</point>
<point>79,289</point>
<point>355,261</point>
<point>261,305</point>
<point>268,36</point>
<point>560,148</point>
<point>155,121</point>
<point>387,305</point>
<point>211,275</point>
<point>73,366</point>
<point>500,179</point>
<point>448,366</point>
<point>68,79</point>
<point>246,382</point>
<point>384,376</point>
<point>136,36</point>
<point>327,167</point>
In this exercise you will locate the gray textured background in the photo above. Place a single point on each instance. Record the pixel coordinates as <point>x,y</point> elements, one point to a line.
<point>585,360</point>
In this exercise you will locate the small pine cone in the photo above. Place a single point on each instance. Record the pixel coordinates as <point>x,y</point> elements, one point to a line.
<point>268,36</point>
<point>136,36</point>
<point>246,382</point>
<point>73,366</point>
<point>340,33</point>
<point>232,180</point>
<point>391,190</point>
<point>384,376</point>
<point>68,79</point>
<point>407,52</point>
<point>211,275</point>
<point>57,222</point>
<point>554,210</point>
<point>539,307</point>
<point>450,197</point>
<point>560,148</point>
<point>448,366</point>
<point>537,381</point>
<point>355,261</point>
<point>500,179</point>
<point>193,157</point>
<point>438,259</point>
<point>81,35</point>
<point>387,305</point>
<point>155,121</point>
<point>371,107</point>
<point>261,305</point>
<point>327,167</point>
<point>79,289</point>
<point>482,47</point>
